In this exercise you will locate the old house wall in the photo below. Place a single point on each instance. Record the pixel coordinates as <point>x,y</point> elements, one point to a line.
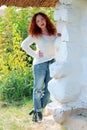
<point>68,87</point>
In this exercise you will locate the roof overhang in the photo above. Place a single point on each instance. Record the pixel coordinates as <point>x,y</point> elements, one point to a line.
<point>27,3</point>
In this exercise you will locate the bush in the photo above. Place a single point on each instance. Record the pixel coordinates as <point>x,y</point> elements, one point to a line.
<point>18,85</point>
<point>16,78</point>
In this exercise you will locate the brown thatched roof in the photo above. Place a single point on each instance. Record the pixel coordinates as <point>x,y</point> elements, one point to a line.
<point>25,3</point>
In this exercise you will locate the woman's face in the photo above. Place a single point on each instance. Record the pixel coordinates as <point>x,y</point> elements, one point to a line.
<point>40,21</point>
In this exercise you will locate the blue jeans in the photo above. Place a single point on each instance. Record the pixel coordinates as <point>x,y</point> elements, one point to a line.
<point>41,78</point>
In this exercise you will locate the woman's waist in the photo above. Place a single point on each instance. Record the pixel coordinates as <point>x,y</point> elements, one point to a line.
<point>47,52</point>
<point>43,59</point>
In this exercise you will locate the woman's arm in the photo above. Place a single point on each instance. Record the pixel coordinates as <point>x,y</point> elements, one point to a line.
<point>26,47</point>
<point>59,34</point>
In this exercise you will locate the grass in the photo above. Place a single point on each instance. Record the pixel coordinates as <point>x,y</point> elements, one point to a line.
<point>15,116</point>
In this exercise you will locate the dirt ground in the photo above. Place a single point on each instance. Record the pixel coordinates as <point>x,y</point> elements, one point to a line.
<point>48,123</point>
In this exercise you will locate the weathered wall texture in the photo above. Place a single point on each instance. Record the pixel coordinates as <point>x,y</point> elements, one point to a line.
<point>69,84</point>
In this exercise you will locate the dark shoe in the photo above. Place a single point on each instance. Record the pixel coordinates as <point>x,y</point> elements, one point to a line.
<point>31,112</point>
<point>34,117</point>
<point>37,117</point>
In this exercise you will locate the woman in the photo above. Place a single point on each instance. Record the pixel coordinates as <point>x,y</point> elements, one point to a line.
<point>43,33</point>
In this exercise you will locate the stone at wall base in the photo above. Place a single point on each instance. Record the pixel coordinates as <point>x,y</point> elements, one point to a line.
<point>77,122</point>
<point>74,119</point>
<point>50,108</point>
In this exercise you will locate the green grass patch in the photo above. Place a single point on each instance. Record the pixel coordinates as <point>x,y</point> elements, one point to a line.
<point>15,116</point>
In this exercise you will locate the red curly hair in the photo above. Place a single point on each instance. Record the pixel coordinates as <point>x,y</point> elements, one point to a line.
<point>35,31</point>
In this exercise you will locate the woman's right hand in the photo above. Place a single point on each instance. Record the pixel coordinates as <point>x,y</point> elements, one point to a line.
<point>40,54</point>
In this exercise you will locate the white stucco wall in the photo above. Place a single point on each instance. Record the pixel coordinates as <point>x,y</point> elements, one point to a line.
<point>71,52</point>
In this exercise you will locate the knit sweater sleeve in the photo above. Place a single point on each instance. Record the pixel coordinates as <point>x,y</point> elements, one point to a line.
<point>26,47</point>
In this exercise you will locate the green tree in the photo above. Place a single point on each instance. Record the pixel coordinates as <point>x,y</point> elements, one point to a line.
<point>16,77</point>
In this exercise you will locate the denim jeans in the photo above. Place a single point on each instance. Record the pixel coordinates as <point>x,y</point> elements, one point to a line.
<point>41,94</point>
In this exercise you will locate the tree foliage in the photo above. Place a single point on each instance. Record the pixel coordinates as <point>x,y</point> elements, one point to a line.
<point>16,77</point>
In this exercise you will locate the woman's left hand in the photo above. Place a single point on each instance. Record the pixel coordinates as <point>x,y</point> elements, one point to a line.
<point>40,54</point>
<point>59,34</point>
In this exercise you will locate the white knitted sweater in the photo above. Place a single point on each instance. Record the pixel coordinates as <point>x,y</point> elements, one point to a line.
<point>45,44</point>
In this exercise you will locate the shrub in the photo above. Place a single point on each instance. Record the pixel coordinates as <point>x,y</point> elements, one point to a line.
<point>16,78</point>
<point>18,85</point>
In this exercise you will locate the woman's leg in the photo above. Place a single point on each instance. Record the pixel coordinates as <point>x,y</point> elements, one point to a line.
<point>39,77</point>
<point>46,95</point>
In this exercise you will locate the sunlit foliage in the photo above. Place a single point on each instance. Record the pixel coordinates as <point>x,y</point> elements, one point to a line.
<point>16,77</point>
